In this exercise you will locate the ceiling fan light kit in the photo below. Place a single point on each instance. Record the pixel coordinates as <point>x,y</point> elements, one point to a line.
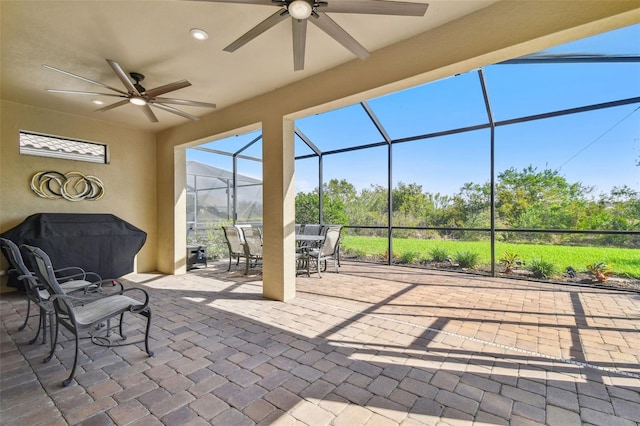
<point>300,9</point>
<point>136,94</point>
<point>137,100</point>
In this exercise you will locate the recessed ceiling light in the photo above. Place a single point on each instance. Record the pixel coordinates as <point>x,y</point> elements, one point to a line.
<point>97,101</point>
<point>199,34</point>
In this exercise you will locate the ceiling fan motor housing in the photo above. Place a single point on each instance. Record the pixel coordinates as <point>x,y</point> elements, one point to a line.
<point>137,77</point>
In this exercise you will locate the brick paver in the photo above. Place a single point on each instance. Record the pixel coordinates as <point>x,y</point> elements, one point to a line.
<point>372,345</point>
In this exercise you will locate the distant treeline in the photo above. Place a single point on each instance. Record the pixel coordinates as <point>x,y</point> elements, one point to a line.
<point>526,199</point>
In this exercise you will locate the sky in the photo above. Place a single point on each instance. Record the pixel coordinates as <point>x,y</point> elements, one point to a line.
<point>600,149</point>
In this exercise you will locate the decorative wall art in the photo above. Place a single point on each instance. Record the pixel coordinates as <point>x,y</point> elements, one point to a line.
<point>72,186</point>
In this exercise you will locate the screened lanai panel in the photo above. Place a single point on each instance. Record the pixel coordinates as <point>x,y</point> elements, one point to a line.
<point>300,147</point>
<point>249,191</point>
<point>358,180</point>
<point>597,148</point>
<point>452,103</point>
<point>452,173</point>
<point>562,172</point>
<point>522,90</point>
<point>307,175</point>
<point>253,150</point>
<point>223,162</point>
<point>233,144</point>
<point>213,205</point>
<point>341,128</point>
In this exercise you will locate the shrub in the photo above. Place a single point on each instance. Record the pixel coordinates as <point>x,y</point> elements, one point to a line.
<point>408,257</point>
<point>385,256</point>
<point>358,252</point>
<point>466,258</point>
<point>216,243</point>
<point>509,260</point>
<point>600,271</point>
<point>438,254</point>
<point>541,268</point>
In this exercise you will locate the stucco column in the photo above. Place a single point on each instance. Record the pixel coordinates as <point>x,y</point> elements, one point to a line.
<point>180,211</point>
<point>279,273</point>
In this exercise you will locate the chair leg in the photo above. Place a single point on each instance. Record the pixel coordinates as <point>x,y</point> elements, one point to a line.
<point>75,361</point>
<point>43,323</point>
<point>147,313</point>
<point>51,316</point>
<point>54,342</point>
<point>120,329</point>
<point>40,327</point>
<point>230,258</point>
<point>26,319</point>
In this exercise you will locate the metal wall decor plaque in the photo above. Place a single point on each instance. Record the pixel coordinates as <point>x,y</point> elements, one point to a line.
<point>72,186</point>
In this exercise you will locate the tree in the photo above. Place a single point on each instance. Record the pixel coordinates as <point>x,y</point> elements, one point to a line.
<point>410,205</point>
<point>533,199</point>
<point>307,210</point>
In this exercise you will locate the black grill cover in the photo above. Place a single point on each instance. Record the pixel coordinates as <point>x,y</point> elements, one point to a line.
<point>100,243</point>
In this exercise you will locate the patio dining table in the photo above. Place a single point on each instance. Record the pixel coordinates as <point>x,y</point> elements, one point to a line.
<point>309,238</point>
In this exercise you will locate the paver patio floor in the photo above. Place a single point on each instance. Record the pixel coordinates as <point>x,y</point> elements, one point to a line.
<point>372,345</point>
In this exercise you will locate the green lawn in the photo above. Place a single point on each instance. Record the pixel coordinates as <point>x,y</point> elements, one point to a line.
<point>625,261</point>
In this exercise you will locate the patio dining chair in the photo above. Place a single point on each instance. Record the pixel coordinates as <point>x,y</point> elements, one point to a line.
<point>234,244</point>
<point>329,249</point>
<point>77,315</point>
<point>310,229</point>
<point>71,279</point>
<point>252,247</point>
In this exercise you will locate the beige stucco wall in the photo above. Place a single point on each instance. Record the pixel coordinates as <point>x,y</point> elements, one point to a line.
<point>129,179</point>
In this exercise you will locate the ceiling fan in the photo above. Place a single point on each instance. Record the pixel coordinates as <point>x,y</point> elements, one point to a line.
<point>136,94</point>
<point>303,11</point>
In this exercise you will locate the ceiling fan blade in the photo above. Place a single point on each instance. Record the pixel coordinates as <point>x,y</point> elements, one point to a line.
<point>330,27</point>
<point>167,88</point>
<point>112,106</point>
<point>150,115</point>
<point>76,92</point>
<point>299,27</point>
<point>84,79</point>
<point>263,2</point>
<point>124,78</point>
<point>376,7</point>
<point>182,102</point>
<point>257,30</point>
<point>175,111</point>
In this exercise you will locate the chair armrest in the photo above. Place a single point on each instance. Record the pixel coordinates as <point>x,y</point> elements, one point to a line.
<point>92,276</point>
<point>67,274</point>
<point>34,281</point>
<point>104,284</point>
<point>145,302</point>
